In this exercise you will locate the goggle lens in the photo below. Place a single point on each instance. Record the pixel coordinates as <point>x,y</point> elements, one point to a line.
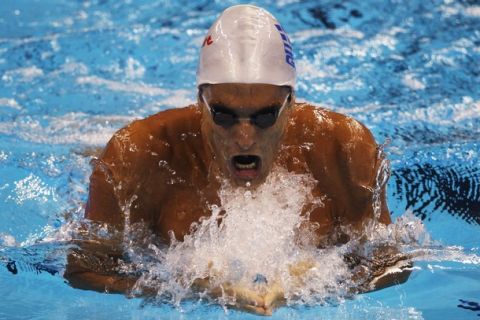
<point>263,119</point>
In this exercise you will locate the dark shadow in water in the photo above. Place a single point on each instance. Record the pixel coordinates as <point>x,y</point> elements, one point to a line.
<point>469,305</point>
<point>36,258</point>
<point>427,188</point>
<point>36,267</point>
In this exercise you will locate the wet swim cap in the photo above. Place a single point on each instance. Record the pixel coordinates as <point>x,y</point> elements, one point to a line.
<point>246,44</point>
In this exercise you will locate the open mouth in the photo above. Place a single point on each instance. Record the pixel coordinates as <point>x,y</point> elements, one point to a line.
<point>246,166</point>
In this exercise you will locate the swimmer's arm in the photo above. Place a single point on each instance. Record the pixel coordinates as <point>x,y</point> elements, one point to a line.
<point>119,173</point>
<point>104,196</point>
<point>93,265</point>
<point>102,204</point>
<point>88,280</point>
<point>363,163</point>
<point>385,266</point>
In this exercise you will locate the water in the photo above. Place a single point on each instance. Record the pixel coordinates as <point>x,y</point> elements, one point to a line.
<point>71,73</point>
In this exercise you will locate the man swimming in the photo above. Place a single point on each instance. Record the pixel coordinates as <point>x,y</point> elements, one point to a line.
<point>166,170</point>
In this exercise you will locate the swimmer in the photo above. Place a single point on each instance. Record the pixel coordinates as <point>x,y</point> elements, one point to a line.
<point>167,169</point>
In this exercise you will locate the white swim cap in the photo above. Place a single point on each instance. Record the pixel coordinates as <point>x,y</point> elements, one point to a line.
<point>246,44</point>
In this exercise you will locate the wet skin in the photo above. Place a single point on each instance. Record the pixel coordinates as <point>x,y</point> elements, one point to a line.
<point>166,170</point>
<point>244,138</point>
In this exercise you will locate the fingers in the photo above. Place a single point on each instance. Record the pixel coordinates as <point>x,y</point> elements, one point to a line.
<point>274,298</point>
<point>262,311</point>
<point>245,299</point>
<point>244,296</point>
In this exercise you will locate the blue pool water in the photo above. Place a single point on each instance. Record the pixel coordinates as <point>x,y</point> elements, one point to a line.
<point>73,72</point>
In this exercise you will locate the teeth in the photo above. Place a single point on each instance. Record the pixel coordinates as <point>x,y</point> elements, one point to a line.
<point>245,166</point>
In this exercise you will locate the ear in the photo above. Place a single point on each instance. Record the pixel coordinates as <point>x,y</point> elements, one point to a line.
<point>200,99</point>
<point>291,99</point>
<point>199,95</point>
<point>201,91</point>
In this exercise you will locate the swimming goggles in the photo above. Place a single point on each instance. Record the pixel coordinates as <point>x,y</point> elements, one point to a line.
<point>263,119</point>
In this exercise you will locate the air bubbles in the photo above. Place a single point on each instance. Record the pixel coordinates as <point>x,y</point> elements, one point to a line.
<point>164,164</point>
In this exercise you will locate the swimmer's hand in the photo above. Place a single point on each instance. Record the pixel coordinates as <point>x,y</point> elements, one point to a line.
<point>386,267</point>
<point>266,297</point>
<point>93,265</point>
<point>261,302</point>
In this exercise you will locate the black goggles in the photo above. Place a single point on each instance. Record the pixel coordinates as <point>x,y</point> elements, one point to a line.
<point>263,119</point>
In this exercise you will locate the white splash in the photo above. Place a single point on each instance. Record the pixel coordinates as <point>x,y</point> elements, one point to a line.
<point>32,188</point>
<point>255,233</point>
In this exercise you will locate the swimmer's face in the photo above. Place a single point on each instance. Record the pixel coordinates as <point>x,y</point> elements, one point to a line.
<point>243,125</point>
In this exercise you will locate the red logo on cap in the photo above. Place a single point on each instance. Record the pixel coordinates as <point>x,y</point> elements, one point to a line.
<point>208,41</point>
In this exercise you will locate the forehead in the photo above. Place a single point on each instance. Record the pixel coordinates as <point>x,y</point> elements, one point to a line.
<point>245,94</point>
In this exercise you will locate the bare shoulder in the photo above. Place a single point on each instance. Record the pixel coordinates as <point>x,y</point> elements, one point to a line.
<point>151,134</point>
<point>339,127</point>
<point>340,141</point>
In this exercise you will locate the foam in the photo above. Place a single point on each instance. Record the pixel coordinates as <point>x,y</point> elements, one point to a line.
<point>449,253</point>
<point>3,156</point>
<point>414,84</point>
<point>452,9</point>
<point>22,74</point>
<point>10,103</point>
<point>7,240</point>
<point>70,67</point>
<point>134,69</point>
<point>341,32</point>
<point>445,112</point>
<point>71,128</point>
<point>473,11</point>
<point>172,98</point>
<point>310,70</point>
<point>122,87</point>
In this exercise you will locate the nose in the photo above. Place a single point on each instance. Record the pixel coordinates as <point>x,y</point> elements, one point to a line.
<point>245,135</point>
